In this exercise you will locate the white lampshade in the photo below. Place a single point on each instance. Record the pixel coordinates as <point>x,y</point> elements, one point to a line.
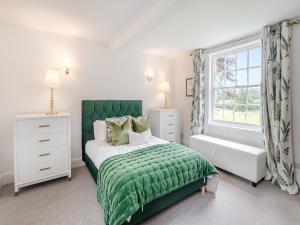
<point>166,87</point>
<point>52,79</point>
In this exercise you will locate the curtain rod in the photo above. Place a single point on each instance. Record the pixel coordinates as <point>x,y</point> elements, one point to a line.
<point>231,41</point>
<point>290,22</point>
<point>294,21</point>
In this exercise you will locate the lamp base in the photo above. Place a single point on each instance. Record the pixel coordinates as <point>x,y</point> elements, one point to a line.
<point>166,102</point>
<point>51,113</point>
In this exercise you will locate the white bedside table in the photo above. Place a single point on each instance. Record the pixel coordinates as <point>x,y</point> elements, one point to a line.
<point>165,124</point>
<point>42,148</point>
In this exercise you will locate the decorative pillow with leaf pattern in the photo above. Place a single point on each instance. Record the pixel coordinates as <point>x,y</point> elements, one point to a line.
<point>116,120</point>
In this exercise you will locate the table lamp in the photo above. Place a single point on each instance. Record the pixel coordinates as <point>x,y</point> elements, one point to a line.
<point>52,80</point>
<point>166,90</point>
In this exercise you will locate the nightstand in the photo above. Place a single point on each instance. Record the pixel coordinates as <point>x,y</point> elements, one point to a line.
<point>165,124</point>
<point>42,148</point>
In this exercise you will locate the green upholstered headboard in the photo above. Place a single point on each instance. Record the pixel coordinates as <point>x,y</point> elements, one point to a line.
<point>93,110</point>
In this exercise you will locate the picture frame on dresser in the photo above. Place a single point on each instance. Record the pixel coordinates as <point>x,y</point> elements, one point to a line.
<point>42,148</point>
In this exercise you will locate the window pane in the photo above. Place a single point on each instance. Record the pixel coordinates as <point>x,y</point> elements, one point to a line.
<point>220,65</point>
<point>236,80</point>
<point>240,96</point>
<point>240,114</point>
<point>219,96</point>
<point>219,80</point>
<point>229,96</point>
<point>254,76</point>
<point>241,77</point>
<point>254,95</point>
<point>241,60</point>
<point>218,112</point>
<point>230,79</point>
<point>255,57</point>
<point>230,62</point>
<point>253,116</point>
<point>228,113</point>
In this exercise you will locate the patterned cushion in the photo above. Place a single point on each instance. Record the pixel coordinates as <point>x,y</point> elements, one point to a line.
<point>119,133</point>
<point>116,120</point>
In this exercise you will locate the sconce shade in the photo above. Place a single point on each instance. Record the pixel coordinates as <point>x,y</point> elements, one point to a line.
<point>150,75</point>
<point>52,79</point>
<point>166,87</point>
<point>67,62</point>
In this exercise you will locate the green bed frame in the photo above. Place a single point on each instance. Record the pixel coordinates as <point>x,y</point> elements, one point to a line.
<point>93,110</point>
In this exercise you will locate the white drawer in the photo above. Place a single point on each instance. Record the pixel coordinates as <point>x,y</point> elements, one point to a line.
<point>168,117</point>
<point>45,125</point>
<point>168,136</point>
<point>42,170</point>
<point>37,156</point>
<point>168,126</point>
<point>46,140</point>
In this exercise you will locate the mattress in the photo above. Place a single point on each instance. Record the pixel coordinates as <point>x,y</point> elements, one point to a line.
<point>99,152</point>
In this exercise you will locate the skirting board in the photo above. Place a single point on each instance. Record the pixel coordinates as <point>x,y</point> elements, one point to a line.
<point>7,178</point>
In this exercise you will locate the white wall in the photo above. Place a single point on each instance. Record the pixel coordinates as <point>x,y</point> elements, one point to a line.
<point>295,45</point>
<point>183,68</point>
<point>96,73</point>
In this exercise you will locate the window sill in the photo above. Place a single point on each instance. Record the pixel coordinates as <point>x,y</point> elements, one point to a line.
<point>256,129</point>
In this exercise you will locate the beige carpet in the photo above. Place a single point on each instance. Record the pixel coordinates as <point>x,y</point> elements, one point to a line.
<point>61,202</point>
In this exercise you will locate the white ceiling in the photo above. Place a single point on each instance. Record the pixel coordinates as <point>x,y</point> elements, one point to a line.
<point>163,27</point>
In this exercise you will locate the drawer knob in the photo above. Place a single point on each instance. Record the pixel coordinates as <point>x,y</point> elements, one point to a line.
<point>46,168</point>
<point>171,124</point>
<point>45,125</point>
<point>171,132</point>
<point>44,140</point>
<point>41,155</point>
<point>171,115</point>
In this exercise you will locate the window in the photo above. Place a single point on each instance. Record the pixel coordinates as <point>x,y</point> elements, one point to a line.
<point>235,86</point>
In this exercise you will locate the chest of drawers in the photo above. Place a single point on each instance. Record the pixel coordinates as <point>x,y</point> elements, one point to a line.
<point>42,148</point>
<point>165,124</point>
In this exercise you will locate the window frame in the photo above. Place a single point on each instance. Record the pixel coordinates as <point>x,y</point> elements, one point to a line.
<point>211,96</point>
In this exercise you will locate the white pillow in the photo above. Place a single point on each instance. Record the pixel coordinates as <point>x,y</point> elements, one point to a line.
<point>139,138</point>
<point>99,130</point>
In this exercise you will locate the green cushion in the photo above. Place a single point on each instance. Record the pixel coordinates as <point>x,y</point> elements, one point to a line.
<point>113,120</point>
<point>119,133</point>
<point>140,124</point>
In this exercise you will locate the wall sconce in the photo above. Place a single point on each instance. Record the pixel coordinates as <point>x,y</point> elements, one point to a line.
<point>149,75</point>
<point>67,63</point>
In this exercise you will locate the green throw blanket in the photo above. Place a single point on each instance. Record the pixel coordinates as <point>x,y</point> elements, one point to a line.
<point>129,181</point>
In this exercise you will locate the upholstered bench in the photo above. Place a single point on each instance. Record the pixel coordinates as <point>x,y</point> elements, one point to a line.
<point>243,160</point>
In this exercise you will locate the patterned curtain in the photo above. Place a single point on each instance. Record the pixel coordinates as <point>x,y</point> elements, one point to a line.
<point>276,107</point>
<point>197,118</point>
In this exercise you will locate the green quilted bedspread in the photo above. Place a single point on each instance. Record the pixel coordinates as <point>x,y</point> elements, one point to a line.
<point>129,181</point>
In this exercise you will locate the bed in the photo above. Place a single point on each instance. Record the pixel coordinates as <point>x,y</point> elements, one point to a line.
<point>93,110</point>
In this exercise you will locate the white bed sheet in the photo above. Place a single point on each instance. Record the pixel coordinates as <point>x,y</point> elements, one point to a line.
<point>98,152</point>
